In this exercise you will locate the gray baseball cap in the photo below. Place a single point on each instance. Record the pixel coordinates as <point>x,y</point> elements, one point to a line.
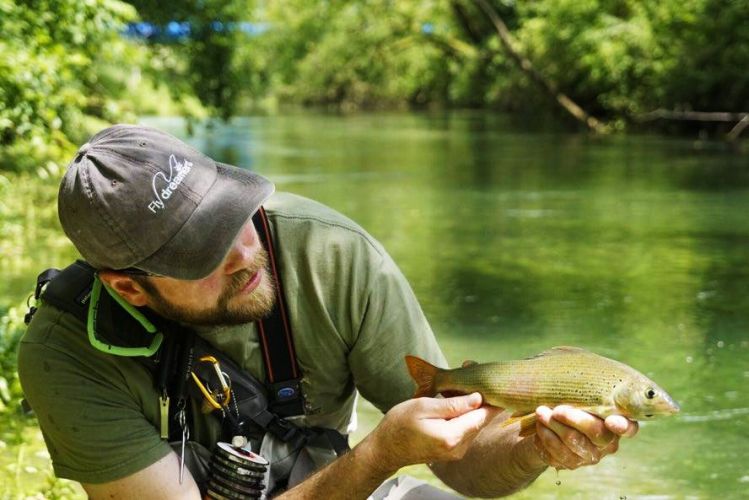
<point>137,197</point>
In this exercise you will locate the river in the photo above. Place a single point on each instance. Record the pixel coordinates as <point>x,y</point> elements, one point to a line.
<point>518,239</point>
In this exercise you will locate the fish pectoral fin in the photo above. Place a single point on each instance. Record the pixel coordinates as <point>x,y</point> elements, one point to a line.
<point>527,423</point>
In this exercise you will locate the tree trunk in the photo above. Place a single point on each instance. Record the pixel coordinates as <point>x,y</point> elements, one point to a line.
<point>526,67</point>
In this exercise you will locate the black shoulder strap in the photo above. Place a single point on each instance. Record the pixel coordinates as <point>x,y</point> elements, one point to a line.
<point>41,281</point>
<point>281,367</point>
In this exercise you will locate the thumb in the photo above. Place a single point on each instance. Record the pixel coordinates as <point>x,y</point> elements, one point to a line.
<point>448,408</point>
<point>473,421</point>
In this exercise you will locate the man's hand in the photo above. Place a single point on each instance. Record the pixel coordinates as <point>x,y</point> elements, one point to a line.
<point>425,430</point>
<point>568,438</point>
<point>419,430</point>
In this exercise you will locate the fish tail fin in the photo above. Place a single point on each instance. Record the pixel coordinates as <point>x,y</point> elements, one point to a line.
<point>527,423</point>
<point>423,374</point>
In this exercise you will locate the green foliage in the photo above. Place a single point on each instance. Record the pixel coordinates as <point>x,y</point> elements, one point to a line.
<point>65,70</point>
<point>624,57</point>
<point>204,65</point>
<point>355,54</point>
<point>11,329</point>
<point>29,234</point>
<point>378,56</point>
<point>29,223</point>
<point>61,70</point>
<point>704,54</point>
<point>30,238</point>
<point>596,52</point>
<point>617,58</point>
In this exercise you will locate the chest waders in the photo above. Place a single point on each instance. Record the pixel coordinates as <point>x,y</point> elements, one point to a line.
<point>180,362</point>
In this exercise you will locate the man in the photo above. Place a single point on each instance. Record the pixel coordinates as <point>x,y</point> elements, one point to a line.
<point>169,232</point>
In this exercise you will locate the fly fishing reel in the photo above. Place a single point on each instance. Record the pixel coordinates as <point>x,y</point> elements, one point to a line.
<point>236,473</point>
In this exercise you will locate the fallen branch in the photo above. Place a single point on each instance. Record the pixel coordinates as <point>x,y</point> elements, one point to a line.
<point>735,132</point>
<point>741,119</point>
<point>527,67</point>
<point>697,116</point>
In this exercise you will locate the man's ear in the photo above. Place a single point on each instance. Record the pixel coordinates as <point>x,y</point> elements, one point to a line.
<point>125,286</point>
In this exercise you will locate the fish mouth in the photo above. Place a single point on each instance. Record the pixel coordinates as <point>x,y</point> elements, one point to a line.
<point>669,406</point>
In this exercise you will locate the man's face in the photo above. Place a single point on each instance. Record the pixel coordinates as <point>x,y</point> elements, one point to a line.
<point>239,290</point>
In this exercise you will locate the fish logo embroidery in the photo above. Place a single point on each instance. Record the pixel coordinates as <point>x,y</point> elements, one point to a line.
<point>164,186</point>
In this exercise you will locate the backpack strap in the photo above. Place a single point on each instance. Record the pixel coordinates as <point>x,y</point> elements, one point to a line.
<point>281,367</point>
<point>41,281</point>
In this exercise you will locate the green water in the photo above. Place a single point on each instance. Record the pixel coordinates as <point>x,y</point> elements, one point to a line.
<point>517,240</point>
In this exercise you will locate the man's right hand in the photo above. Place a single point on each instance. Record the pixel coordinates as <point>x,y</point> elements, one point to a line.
<point>426,430</point>
<point>416,431</point>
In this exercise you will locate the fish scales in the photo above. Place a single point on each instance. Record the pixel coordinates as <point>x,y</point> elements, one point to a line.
<point>526,384</point>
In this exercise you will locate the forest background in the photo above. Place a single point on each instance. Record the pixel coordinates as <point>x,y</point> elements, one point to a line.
<point>68,67</point>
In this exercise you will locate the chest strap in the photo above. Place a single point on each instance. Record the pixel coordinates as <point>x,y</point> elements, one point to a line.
<point>282,372</point>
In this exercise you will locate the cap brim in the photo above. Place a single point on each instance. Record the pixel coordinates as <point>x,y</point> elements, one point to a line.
<point>206,237</point>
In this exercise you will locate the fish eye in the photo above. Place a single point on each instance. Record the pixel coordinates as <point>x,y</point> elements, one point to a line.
<point>650,394</point>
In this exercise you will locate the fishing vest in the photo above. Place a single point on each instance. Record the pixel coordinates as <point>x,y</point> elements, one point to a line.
<point>182,364</point>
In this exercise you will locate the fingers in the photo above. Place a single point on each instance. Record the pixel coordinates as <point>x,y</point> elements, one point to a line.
<point>472,422</point>
<point>448,408</point>
<point>622,426</point>
<point>460,417</point>
<point>566,446</point>
<point>591,426</point>
<point>569,438</point>
<point>452,438</point>
<point>425,430</point>
<point>553,451</point>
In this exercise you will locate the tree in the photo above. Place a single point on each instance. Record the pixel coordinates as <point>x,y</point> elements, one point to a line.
<point>61,69</point>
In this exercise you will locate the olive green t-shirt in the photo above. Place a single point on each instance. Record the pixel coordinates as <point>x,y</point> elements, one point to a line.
<point>353,317</point>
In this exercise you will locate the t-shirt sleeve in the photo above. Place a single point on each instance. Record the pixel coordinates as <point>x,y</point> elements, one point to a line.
<point>392,326</point>
<point>91,418</point>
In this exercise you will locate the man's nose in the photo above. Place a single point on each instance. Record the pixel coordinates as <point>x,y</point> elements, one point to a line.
<point>242,253</point>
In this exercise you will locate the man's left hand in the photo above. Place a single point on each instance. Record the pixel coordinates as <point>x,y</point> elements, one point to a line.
<point>568,438</point>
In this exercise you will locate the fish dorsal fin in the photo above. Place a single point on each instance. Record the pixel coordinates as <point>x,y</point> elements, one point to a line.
<point>556,351</point>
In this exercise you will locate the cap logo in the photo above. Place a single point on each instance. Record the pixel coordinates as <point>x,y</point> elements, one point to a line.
<point>164,186</point>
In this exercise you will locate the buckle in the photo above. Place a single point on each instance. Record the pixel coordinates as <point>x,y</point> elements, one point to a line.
<point>284,429</point>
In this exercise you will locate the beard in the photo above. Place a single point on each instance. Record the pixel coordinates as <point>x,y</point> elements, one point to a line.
<point>243,309</point>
